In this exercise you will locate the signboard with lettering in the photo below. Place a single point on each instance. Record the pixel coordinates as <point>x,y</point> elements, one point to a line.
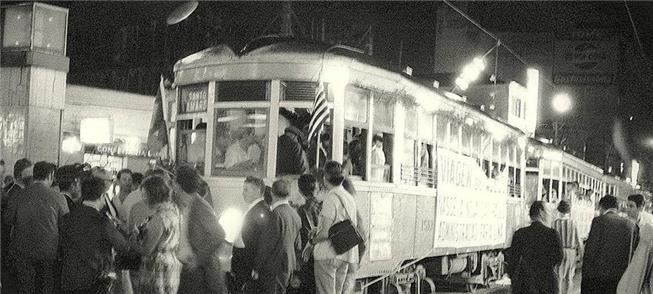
<point>586,57</point>
<point>381,227</point>
<point>193,98</point>
<point>471,208</point>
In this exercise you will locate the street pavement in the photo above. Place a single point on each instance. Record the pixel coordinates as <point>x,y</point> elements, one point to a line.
<point>506,289</point>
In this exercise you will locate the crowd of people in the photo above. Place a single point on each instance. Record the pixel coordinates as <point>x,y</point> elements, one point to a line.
<point>79,229</point>
<point>543,257</point>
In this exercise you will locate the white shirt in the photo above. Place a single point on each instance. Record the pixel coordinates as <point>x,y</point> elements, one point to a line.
<point>378,164</point>
<point>332,206</point>
<point>235,154</point>
<point>239,240</point>
<point>133,198</point>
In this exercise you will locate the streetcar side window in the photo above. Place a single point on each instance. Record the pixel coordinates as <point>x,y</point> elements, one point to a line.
<point>191,143</point>
<point>356,131</point>
<point>240,141</point>
<point>409,173</point>
<point>426,173</point>
<point>382,141</point>
<point>293,152</point>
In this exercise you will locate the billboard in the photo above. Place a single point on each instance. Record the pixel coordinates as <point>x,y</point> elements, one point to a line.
<point>471,208</point>
<point>586,57</point>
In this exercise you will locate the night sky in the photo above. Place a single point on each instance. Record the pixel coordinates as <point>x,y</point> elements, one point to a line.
<point>95,28</point>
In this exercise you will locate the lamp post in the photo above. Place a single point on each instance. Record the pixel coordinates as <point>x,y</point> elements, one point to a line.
<point>561,104</point>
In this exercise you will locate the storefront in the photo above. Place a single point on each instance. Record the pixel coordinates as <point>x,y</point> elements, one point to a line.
<point>106,128</point>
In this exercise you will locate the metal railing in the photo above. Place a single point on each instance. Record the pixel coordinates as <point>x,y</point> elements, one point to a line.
<point>418,176</point>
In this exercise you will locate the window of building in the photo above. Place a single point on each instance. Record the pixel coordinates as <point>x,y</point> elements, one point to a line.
<point>240,141</point>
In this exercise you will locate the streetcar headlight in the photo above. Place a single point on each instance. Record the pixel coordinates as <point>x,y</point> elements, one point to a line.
<point>231,221</point>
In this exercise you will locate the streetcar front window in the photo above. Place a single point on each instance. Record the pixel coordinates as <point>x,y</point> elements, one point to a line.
<point>240,141</point>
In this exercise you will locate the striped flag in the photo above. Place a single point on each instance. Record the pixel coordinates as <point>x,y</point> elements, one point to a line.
<point>320,112</point>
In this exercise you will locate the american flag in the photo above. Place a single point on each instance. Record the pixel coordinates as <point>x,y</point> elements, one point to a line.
<point>320,112</point>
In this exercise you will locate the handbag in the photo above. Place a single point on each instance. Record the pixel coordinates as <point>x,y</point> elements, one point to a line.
<point>344,235</point>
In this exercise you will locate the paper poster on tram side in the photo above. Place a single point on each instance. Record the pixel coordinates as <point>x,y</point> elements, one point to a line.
<point>381,226</point>
<point>471,208</point>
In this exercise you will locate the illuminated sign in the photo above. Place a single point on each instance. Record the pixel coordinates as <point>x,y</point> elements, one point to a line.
<point>193,99</point>
<point>96,130</point>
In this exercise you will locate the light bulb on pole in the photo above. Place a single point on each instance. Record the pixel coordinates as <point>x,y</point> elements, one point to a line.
<point>561,104</point>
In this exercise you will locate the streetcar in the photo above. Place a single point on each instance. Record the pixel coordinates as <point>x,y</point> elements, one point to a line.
<point>441,203</point>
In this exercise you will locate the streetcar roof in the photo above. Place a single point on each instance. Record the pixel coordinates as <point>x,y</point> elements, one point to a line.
<point>309,55</point>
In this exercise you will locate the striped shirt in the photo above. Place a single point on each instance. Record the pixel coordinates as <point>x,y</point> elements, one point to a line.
<point>566,228</point>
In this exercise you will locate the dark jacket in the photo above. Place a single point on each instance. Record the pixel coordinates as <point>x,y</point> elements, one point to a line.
<point>534,253</point>
<point>242,261</point>
<point>87,237</point>
<point>611,240</point>
<point>276,258</point>
<point>291,157</point>
<point>205,236</point>
<point>34,214</point>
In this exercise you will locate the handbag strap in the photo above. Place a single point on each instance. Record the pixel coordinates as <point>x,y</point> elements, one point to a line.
<point>343,206</point>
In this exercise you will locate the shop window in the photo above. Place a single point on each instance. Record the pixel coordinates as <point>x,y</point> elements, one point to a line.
<point>231,91</point>
<point>240,141</point>
<point>191,143</point>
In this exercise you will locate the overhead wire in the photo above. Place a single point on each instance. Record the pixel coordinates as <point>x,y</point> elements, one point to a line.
<point>632,23</point>
<point>491,35</point>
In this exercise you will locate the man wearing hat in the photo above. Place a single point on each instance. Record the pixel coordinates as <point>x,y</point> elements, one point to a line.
<point>291,157</point>
<point>68,178</point>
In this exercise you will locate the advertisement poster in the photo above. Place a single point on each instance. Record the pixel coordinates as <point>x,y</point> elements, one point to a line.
<point>471,208</point>
<point>381,227</point>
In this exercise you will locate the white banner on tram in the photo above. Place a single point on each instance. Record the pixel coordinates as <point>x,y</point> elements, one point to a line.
<point>471,208</point>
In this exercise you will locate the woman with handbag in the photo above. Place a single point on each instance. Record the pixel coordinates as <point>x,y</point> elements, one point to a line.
<point>335,253</point>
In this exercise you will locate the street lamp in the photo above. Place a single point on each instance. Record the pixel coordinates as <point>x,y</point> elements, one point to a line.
<point>561,104</point>
<point>470,73</point>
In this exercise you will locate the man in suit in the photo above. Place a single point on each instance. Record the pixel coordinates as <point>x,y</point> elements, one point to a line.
<point>609,246</point>
<point>277,260</point>
<point>201,237</point>
<point>534,253</point>
<point>35,215</point>
<point>246,244</point>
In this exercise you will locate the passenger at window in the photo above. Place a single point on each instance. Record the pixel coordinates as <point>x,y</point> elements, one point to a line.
<point>244,153</point>
<point>318,156</point>
<point>291,157</point>
<point>378,159</point>
<point>356,156</point>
